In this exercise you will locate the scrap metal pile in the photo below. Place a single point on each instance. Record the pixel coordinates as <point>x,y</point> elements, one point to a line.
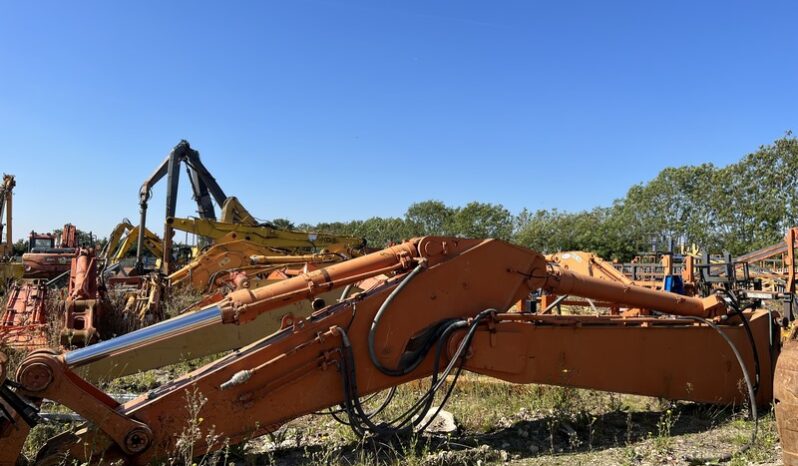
<point>320,315</point>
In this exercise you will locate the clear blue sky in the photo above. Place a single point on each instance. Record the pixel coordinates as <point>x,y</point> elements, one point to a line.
<point>328,110</point>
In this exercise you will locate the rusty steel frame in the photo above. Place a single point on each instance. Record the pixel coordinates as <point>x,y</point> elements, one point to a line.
<point>85,303</point>
<point>23,323</point>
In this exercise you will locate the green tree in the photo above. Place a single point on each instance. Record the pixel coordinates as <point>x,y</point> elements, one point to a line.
<point>430,218</point>
<point>483,220</point>
<point>379,231</point>
<point>20,247</point>
<point>550,231</point>
<point>84,238</point>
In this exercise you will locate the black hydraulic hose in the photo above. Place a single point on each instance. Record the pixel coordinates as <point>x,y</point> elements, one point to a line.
<point>438,381</point>
<point>413,414</point>
<point>459,354</point>
<point>751,396</point>
<point>357,416</point>
<point>736,307</point>
<point>361,422</point>
<point>383,404</point>
<point>773,348</point>
<point>373,330</point>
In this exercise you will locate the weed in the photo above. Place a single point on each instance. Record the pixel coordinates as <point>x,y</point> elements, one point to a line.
<point>191,434</point>
<point>667,419</point>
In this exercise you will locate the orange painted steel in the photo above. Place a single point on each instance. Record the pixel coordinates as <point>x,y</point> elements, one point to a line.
<point>585,263</point>
<point>562,282</point>
<point>46,265</point>
<point>298,370</point>
<point>672,359</point>
<point>23,323</point>
<point>203,273</point>
<point>54,257</point>
<point>69,237</point>
<point>785,400</point>
<point>85,302</point>
<point>242,306</point>
<point>775,265</point>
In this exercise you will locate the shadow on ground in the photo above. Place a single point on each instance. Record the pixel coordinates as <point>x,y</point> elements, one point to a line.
<point>520,439</point>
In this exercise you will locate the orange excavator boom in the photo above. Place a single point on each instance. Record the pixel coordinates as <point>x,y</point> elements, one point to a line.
<point>443,309</point>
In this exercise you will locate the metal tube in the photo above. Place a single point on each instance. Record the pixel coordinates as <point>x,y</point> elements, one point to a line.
<point>565,282</point>
<point>249,304</point>
<point>145,335</point>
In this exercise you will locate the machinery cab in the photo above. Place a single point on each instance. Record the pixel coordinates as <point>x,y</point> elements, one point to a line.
<point>40,242</point>
<point>49,255</point>
<point>48,242</point>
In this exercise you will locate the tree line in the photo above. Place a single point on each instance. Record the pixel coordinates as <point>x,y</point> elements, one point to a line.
<point>737,208</point>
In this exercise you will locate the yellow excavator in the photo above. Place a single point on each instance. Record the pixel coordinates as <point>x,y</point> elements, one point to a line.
<point>290,242</point>
<point>122,240</point>
<point>234,247</point>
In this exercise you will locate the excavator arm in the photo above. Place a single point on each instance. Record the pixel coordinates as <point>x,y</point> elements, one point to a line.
<point>203,184</point>
<point>234,245</point>
<point>268,237</point>
<point>442,310</point>
<point>115,238</point>
<point>213,267</point>
<point>117,248</point>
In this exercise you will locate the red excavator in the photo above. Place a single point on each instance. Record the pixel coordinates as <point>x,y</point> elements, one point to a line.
<point>49,254</point>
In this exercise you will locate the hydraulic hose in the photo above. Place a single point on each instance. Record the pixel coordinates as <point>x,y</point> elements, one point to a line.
<point>361,422</point>
<point>383,308</point>
<point>751,397</point>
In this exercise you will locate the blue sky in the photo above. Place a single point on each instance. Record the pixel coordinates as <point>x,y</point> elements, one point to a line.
<point>328,110</point>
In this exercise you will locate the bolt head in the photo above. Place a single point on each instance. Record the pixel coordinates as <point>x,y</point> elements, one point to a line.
<point>35,377</point>
<point>137,440</point>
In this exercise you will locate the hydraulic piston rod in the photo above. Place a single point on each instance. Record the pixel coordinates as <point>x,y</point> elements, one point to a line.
<point>563,282</point>
<point>167,328</point>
